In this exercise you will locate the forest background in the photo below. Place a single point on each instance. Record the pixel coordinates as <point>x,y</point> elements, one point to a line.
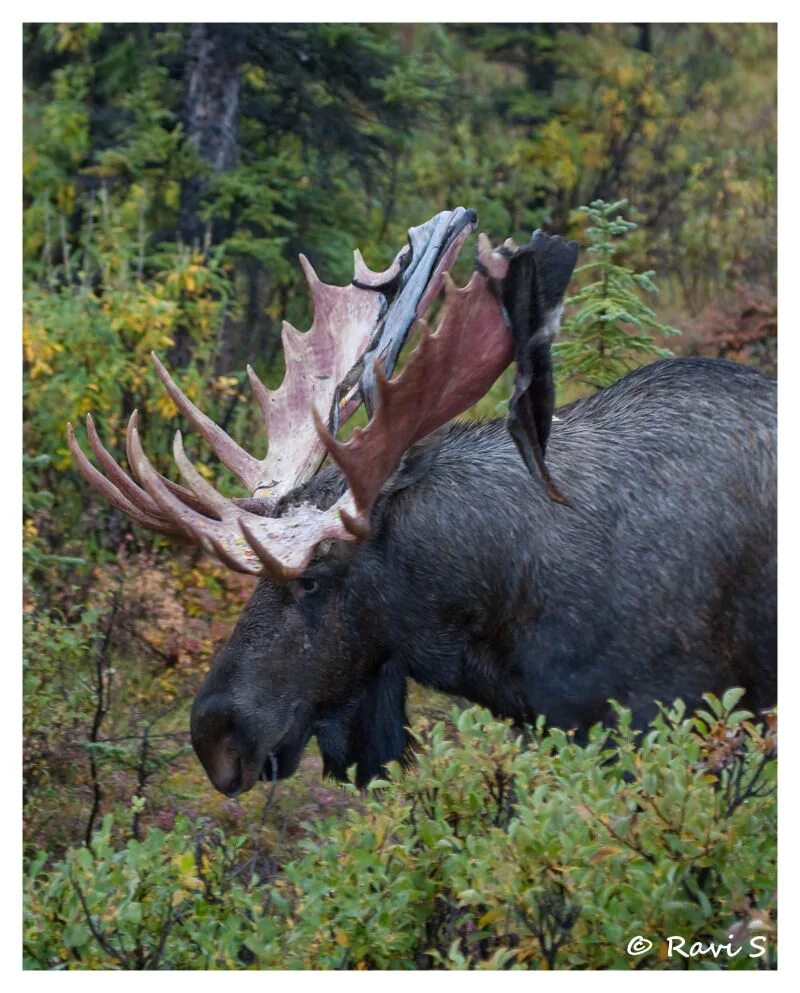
<point>172,174</point>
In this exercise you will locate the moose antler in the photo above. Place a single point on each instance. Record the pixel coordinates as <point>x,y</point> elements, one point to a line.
<point>448,371</point>
<point>120,489</point>
<point>346,321</point>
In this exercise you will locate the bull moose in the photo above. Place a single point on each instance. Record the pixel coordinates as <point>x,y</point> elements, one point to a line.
<point>625,549</point>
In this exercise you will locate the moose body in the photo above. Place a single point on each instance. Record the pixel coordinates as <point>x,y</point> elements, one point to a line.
<point>655,580</point>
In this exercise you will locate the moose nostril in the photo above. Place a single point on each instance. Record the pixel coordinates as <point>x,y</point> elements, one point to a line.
<point>226,769</point>
<point>235,785</point>
<point>229,754</point>
<point>228,742</point>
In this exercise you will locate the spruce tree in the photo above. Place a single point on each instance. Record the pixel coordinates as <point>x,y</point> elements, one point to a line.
<point>608,328</point>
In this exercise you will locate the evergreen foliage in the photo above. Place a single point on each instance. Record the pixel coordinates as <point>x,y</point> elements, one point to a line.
<point>608,330</point>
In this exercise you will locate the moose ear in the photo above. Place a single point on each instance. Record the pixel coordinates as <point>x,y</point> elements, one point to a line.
<point>533,292</point>
<point>416,462</point>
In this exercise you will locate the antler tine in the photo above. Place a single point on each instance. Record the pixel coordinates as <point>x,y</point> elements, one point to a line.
<point>151,521</point>
<point>345,318</point>
<point>357,526</point>
<point>364,276</point>
<point>272,565</point>
<point>312,278</point>
<point>198,525</point>
<point>140,495</point>
<point>227,511</point>
<point>246,542</point>
<point>244,466</point>
<point>260,392</point>
<point>135,494</point>
<point>208,497</point>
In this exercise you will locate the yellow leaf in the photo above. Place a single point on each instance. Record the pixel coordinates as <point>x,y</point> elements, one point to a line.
<point>491,915</point>
<point>604,853</point>
<point>165,406</point>
<point>341,939</point>
<point>624,75</point>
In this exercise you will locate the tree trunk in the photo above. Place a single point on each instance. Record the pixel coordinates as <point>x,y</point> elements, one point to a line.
<point>211,121</point>
<point>211,117</point>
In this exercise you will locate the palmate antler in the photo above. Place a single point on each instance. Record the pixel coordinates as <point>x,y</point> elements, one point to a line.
<point>345,319</point>
<point>446,373</point>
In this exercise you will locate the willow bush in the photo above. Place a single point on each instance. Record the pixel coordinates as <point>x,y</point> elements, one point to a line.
<point>495,850</point>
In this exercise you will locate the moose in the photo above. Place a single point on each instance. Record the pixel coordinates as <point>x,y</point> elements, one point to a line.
<point>623,549</point>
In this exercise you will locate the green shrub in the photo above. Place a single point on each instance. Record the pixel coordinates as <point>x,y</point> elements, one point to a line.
<point>87,339</point>
<point>494,850</point>
<point>154,903</point>
<point>54,668</point>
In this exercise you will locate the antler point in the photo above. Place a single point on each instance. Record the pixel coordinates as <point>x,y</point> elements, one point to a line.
<point>312,278</point>
<point>358,526</point>
<point>160,368</point>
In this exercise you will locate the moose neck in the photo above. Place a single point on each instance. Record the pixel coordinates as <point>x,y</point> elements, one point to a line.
<point>454,617</point>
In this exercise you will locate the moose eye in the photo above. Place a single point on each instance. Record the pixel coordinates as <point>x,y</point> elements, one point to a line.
<point>304,587</point>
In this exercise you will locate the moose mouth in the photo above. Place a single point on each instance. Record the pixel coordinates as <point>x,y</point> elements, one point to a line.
<point>283,760</point>
<point>236,754</point>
